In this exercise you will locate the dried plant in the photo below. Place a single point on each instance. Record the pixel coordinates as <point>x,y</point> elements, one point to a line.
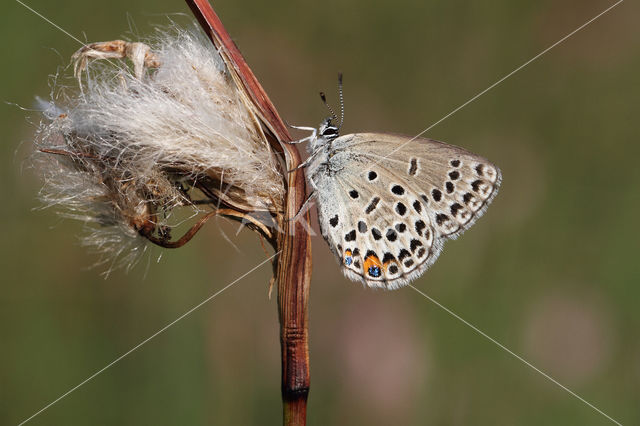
<point>186,127</point>
<point>138,142</point>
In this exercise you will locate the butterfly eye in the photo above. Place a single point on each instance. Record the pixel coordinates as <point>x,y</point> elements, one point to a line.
<point>330,131</point>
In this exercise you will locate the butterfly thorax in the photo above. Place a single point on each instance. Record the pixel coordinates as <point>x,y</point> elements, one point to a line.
<point>321,150</point>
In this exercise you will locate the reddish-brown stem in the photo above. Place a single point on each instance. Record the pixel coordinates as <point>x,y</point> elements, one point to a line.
<point>182,240</point>
<point>293,269</point>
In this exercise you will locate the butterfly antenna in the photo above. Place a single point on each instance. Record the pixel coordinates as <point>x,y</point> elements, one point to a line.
<point>341,99</point>
<point>324,100</point>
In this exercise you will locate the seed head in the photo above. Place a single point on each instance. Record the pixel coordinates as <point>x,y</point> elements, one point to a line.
<point>132,145</point>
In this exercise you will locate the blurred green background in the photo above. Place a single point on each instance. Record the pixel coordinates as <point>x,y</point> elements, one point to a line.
<point>550,271</point>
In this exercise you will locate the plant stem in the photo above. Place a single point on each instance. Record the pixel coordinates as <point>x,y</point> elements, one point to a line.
<point>293,269</point>
<point>294,274</point>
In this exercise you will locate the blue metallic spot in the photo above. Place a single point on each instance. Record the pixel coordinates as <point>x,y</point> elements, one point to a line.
<point>374,271</point>
<point>348,260</point>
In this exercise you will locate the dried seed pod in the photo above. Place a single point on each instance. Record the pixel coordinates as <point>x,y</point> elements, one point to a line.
<point>134,145</point>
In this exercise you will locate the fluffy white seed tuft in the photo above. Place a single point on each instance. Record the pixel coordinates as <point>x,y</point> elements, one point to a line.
<point>122,153</point>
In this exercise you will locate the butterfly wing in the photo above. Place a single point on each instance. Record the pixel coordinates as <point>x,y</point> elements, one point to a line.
<point>387,203</point>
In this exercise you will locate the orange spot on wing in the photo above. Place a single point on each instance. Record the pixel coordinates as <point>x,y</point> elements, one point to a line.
<point>348,257</point>
<point>372,262</point>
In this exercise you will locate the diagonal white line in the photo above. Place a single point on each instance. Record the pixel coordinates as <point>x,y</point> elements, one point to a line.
<point>518,357</point>
<point>505,77</point>
<point>163,329</point>
<point>49,21</point>
<point>414,288</point>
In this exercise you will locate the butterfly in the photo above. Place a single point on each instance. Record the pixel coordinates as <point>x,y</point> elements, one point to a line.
<point>387,203</point>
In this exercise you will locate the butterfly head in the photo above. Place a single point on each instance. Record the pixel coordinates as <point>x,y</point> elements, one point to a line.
<point>328,130</point>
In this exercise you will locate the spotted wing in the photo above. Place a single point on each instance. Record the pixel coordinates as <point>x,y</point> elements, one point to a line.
<point>380,242</point>
<point>397,200</point>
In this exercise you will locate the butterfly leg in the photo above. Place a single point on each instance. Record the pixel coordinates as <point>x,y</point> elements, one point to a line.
<point>312,136</point>
<point>306,162</point>
<point>303,140</point>
<point>305,206</point>
<point>308,129</point>
<point>302,165</point>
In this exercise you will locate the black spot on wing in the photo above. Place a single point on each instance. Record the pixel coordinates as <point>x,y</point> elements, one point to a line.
<point>413,166</point>
<point>404,253</point>
<point>387,257</point>
<point>334,221</point>
<point>441,218</point>
<point>397,189</point>
<point>450,187</point>
<point>455,207</point>
<point>372,205</point>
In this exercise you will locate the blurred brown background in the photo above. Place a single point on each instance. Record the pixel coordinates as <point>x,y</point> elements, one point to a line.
<point>550,271</point>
